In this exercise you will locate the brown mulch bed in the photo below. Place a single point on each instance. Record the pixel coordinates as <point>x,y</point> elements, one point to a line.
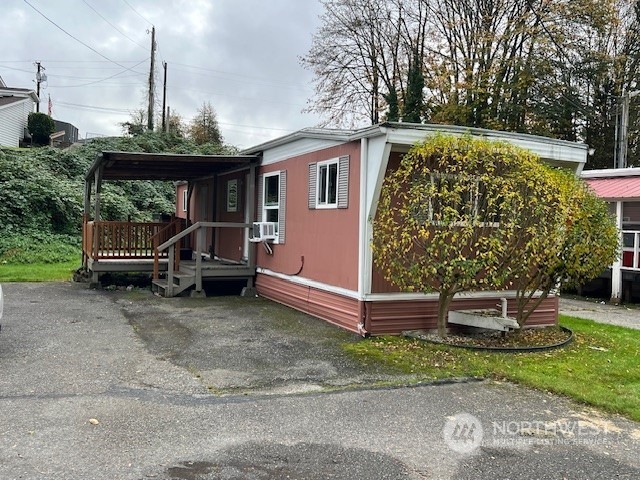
<point>531,338</point>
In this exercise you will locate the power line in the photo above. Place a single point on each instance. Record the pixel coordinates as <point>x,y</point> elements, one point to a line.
<point>137,13</point>
<point>17,69</point>
<point>75,77</point>
<point>94,107</point>
<point>109,77</point>
<point>75,38</point>
<point>263,80</point>
<point>74,61</point>
<point>115,28</point>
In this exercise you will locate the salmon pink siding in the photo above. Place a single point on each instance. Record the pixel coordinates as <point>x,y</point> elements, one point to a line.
<point>396,316</point>
<point>385,316</point>
<point>181,210</point>
<point>337,309</point>
<point>321,244</point>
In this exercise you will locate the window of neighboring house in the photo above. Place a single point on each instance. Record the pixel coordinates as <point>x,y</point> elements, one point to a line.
<point>185,199</point>
<point>329,183</point>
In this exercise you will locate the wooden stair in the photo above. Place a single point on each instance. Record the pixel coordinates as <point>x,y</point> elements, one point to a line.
<point>182,280</point>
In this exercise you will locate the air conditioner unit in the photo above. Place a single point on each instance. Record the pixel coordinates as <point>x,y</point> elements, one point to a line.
<point>262,231</point>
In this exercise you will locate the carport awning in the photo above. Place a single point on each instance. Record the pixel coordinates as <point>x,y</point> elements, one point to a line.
<point>164,166</point>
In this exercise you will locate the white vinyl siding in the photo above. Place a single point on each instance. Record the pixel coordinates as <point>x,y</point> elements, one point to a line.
<point>13,121</point>
<point>329,184</point>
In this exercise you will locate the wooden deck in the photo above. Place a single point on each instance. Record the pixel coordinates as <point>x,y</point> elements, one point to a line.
<point>118,247</point>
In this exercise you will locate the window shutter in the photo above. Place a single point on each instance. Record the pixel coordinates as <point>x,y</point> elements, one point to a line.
<point>313,178</point>
<point>343,182</point>
<point>282,205</point>
<point>260,195</point>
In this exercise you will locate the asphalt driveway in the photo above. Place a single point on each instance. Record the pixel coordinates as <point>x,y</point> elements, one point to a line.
<point>246,345</point>
<point>105,385</point>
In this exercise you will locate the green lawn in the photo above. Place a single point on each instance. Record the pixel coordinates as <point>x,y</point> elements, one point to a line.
<point>599,368</point>
<point>37,272</point>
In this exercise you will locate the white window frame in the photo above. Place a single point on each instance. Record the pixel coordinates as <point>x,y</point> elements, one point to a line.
<point>185,199</point>
<point>473,203</point>
<point>319,166</point>
<point>265,207</point>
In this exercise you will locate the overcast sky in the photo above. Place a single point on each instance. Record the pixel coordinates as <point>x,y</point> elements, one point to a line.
<point>240,55</point>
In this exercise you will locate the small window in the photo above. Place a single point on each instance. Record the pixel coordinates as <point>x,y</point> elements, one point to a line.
<point>452,200</point>
<point>232,195</point>
<point>272,200</point>
<point>271,195</point>
<point>329,184</point>
<point>185,199</point>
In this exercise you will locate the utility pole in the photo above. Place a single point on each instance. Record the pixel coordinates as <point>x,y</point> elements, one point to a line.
<point>151,79</point>
<point>622,129</point>
<point>164,99</point>
<point>40,77</point>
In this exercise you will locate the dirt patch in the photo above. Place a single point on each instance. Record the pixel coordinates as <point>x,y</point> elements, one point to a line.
<point>533,338</point>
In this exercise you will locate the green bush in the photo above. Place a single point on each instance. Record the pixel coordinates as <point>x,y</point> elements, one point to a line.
<point>40,126</point>
<point>38,247</point>
<point>41,194</point>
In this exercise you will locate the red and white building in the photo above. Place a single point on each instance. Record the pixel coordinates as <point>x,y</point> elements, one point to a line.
<point>321,188</point>
<point>314,193</point>
<point>621,188</point>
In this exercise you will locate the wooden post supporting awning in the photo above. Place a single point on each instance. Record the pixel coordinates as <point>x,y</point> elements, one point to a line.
<point>156,166</point>
<point>111,165</point>
<point>164,166</point>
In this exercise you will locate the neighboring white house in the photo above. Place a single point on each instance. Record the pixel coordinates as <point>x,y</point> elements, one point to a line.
<point>15,106</point>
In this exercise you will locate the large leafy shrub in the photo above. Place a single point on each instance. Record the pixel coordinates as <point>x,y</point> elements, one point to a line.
<point>40,126</point>
<point>41,191</point>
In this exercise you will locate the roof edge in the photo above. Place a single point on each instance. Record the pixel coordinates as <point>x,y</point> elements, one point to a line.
<point>386,127</point>
<point>312,132</point>
<point>611,172</point>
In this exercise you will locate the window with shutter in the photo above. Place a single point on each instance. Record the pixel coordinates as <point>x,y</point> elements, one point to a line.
<point>343,182</point>
<point>313,173</point>
<point>272,191</point>
<point>329,183</point>
<point>282,206</point>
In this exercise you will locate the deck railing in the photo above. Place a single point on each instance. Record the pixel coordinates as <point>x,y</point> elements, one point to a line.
<point>120,240</point>
<point>631,250</point>
<point>172,247</point>
<point>169,231</point>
